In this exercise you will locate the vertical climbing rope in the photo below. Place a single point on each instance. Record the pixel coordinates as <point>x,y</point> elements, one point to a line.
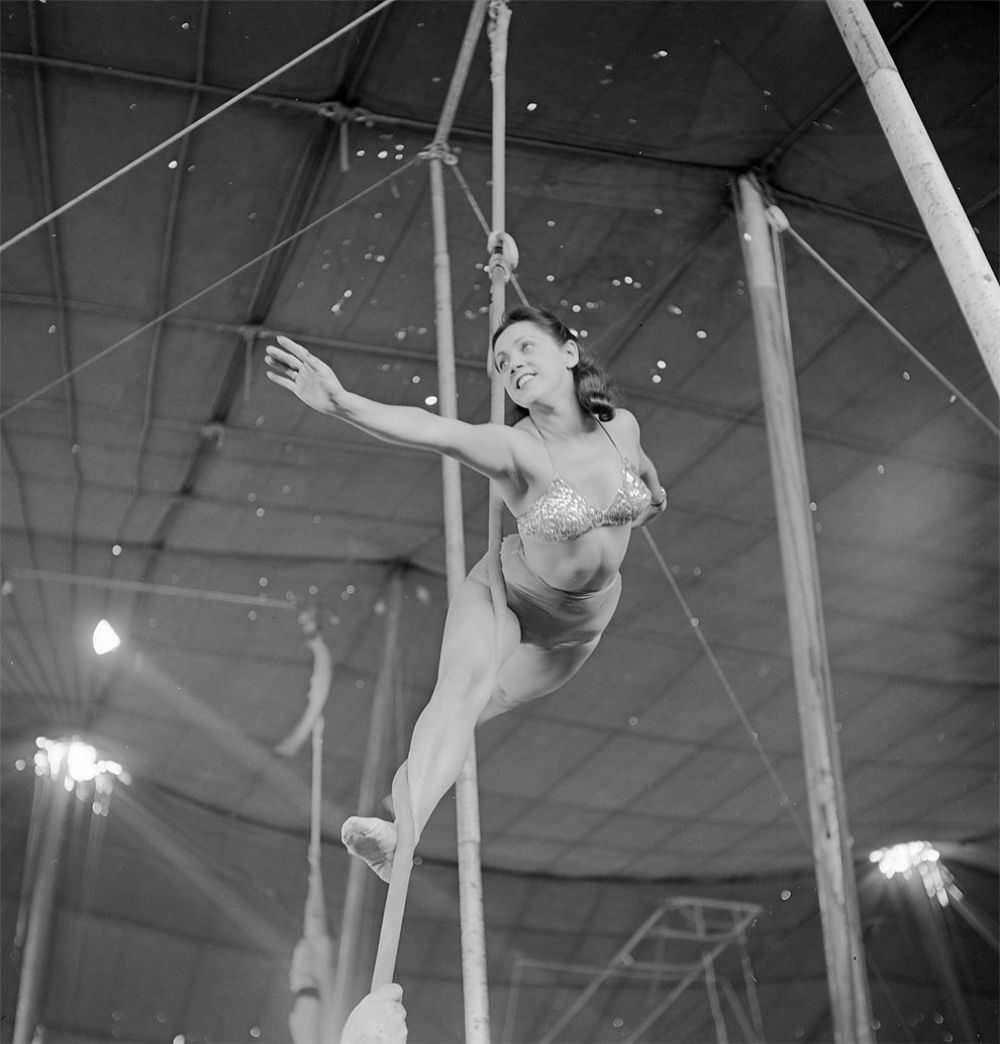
<point>502,261</point>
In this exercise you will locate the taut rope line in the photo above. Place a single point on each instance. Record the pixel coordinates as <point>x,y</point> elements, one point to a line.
<point>779,221</point>
<point>713,660</point>
<point>483,223</point>
<point>205,290</point>
<point>308,53</point>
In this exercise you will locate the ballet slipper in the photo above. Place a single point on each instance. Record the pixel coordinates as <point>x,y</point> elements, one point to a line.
<point>373,840</point>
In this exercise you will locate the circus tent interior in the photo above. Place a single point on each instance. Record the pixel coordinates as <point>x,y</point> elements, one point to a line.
<point>182,181</point>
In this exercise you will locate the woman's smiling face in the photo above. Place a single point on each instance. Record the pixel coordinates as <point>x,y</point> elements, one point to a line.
<point>532,362</point>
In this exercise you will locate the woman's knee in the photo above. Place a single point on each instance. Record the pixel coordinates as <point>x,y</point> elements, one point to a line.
<point>464,683</point>
<point>471,631</point>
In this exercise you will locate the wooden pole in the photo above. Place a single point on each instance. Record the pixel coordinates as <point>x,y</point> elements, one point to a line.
<point>348,981</point>
<point>472,917</point>
<point>466,788</point>
<point>846,973</point>
<point>965,264</point>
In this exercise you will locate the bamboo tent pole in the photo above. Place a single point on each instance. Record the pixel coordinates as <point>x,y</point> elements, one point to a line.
<point>836,886</point>
<point>473,930</point>
<point>370,788</point>
<point>965,264</point>
<point>466,787</point>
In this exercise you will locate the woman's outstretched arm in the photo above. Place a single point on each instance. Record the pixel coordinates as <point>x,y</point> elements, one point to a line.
<point>487,448</point>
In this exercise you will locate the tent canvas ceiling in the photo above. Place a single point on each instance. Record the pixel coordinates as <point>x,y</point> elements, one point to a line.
<point>151,475</point>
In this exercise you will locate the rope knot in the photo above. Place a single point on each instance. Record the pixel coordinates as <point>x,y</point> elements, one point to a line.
<point>777,219</point>
<point>341,113</point>
<point>503,254</point>
<point>439,150</point>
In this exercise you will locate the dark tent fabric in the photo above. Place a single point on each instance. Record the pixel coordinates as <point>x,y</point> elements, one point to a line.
<point>153,476</point>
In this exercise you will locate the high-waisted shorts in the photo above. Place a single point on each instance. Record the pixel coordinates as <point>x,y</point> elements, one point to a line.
<point>549,617</point>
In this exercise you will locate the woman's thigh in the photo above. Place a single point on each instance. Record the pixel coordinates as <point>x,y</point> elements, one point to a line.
<point>471,632</point>
<point>530,672</point>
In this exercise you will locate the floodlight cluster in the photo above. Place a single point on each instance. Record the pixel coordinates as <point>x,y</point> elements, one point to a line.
<point>76,764</point>
<point>918,857</point>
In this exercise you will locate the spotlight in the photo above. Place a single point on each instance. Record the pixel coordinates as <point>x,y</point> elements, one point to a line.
<point>902,859</point>
<point>924,860</point>
<point>105,638</point>
<point>80,768</point>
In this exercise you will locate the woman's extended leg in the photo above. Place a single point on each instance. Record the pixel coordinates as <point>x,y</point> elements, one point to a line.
<point>441,737</point>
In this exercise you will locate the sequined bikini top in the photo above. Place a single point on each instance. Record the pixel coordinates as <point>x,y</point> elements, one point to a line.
<point>563,513</point>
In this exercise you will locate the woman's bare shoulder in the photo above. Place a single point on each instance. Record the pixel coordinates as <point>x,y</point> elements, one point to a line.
<point>624,424</point>
<point>625,417</point>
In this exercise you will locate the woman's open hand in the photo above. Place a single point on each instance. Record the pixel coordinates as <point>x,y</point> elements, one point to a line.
<point>309,378</point>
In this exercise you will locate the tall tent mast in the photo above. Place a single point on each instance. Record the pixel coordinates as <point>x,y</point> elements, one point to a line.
<point>972,280</point>
<point>836,886</point>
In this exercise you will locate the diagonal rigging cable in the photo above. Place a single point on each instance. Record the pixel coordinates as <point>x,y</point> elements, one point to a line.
<point>786,800</point>
<point>207,289</point>
<point>483,223</point>
<point>281,70</point>
<point>781,223</point>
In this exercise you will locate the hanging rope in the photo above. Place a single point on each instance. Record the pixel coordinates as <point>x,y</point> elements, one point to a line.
<point>500,267</point>
<point>483,223</point>
<point>311,977</point>
<point>319,688</point>
<point>399,882</point>
<point>174,138</point>
<point>316,804</point>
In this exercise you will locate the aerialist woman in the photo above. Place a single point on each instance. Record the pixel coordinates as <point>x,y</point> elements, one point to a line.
<point>570,450</point>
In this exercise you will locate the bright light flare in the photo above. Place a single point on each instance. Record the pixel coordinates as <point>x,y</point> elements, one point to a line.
<point>77,764</point>
<point>918,857</point>
<point>81,761</point>
<point>902,859</point>
<point>105,638</point>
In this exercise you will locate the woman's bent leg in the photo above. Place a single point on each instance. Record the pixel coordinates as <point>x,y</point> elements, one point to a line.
<point>442,734</point>
<point>467,673</point>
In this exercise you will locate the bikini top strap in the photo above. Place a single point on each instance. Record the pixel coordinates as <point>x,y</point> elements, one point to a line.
<point>600,424</point>
<point>548,452</point>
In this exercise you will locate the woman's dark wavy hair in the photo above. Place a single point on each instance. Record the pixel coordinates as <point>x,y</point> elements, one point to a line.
<point>594,390</point>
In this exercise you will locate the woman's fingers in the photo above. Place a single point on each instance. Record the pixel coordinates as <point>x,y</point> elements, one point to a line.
<point>273,354</point>
<point>292,346</point>
<point>279,379</point>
